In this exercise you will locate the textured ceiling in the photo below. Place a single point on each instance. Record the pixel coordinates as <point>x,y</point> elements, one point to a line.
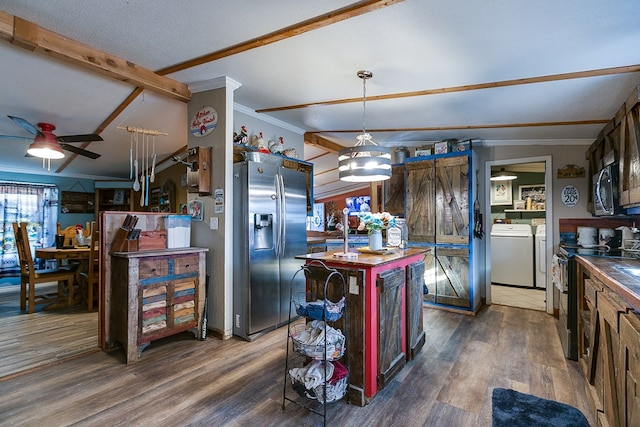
<point>410,46</point>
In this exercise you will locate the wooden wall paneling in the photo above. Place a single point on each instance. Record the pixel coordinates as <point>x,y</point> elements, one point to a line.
<point>391,357</point>
<point>420,200</point>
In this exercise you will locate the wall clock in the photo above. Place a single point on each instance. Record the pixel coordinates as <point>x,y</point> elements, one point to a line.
<point>570,196</point>
<point>204,121</point>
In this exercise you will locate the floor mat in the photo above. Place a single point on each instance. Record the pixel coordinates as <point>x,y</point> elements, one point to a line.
<point>513,409</point>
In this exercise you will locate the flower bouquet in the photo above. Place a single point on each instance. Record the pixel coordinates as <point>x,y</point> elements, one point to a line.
<point>375,221</point>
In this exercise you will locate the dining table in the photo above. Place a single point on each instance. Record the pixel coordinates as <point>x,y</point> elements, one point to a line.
<point>70,253</point>
<point>66,252</point>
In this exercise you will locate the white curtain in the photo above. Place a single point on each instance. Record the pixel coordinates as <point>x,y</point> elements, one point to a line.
<point>36,204</point>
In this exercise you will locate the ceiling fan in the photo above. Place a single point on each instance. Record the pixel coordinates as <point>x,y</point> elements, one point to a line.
<point>49,146</point>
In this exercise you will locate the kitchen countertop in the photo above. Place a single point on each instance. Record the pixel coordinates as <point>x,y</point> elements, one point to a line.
<point>335,240</point>
<point>316,240</point>
<point>611,271</point>
<point>364,259</point>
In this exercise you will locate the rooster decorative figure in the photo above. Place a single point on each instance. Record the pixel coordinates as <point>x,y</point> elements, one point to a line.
<point>241,138</point>
<point>277,147</point>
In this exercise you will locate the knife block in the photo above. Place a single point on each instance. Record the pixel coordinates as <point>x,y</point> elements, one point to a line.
<point>122,244</point>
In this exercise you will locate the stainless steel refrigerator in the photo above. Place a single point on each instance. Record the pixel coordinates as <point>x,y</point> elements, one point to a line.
<point>270,208</point>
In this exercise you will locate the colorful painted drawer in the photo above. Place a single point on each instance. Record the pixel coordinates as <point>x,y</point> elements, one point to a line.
<point>156,294</point>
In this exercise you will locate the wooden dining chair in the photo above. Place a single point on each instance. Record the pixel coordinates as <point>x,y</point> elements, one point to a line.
<point>30,277</point>
<point>70,232</point>
<point>90,278</point>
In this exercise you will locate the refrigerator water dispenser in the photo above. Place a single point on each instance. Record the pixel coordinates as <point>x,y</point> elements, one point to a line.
<point>263,231</point>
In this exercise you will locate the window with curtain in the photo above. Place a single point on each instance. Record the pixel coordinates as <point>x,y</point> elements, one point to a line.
<point>36,204</point>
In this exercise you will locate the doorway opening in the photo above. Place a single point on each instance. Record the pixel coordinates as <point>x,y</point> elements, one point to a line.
<point>519,233</point>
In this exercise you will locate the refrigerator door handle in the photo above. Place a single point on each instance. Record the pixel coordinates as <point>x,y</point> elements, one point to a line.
<point>278,214</point>
<point>283,210</point>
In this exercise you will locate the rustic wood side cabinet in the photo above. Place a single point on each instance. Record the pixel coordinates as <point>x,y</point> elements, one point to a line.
<point>155,294</point>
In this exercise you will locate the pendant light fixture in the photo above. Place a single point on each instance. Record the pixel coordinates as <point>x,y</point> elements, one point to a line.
<point>503,175</point>
<point>366,161</point>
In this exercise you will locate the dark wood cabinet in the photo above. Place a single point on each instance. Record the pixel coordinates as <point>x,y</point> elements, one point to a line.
<point>163,199</point>
<point>420,200</point>
<point>393,190</point>
<point>199,174</point>
<point>120,197</point>
<point>628,119</point>
<point>450,285</point>
<point>608,332</point>
<point>630,369</point>
<point>438,199</point>
<point>451,208</point>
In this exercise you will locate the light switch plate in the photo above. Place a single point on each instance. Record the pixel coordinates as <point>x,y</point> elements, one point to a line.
<point>213,223</point>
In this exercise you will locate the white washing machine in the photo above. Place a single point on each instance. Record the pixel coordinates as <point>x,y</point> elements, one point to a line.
<point>512,254</point>
<point>541,257</point>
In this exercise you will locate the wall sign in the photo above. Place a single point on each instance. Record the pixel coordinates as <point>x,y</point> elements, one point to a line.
<point>203,122</point>
<point>570,196</point>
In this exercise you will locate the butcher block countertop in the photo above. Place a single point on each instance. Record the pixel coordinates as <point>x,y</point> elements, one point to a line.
<point>617,274</point>
<point>364,259</point>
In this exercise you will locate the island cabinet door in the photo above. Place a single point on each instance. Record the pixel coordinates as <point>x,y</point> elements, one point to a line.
<point>451,212</point>
<point>415,328</point>
<point>420,200</point>
<point>450,283</point>
<point>391,357</point>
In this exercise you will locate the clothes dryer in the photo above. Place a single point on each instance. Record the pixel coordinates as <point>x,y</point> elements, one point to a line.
<point>541,256</point>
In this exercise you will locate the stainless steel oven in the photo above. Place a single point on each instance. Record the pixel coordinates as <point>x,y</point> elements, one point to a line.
<point>565,292</point>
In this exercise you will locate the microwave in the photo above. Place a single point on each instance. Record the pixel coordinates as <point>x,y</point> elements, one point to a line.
<point>605,191</point>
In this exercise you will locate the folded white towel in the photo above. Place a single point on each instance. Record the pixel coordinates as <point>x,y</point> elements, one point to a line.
<point>313,374</point>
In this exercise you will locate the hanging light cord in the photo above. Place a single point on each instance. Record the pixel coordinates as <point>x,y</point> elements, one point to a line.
<point>364,103</point>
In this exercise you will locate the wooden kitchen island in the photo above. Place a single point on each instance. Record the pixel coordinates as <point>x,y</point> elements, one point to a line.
<point>384,313</point>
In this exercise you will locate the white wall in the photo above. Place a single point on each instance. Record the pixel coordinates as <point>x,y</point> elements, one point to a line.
<point>270,128</point>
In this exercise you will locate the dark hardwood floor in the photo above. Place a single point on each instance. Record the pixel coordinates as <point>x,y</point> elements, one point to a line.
<point>181,381</point>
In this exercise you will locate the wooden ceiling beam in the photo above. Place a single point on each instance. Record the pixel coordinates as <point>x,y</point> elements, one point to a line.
<point>311,24</point>
<point>312,138</point>
<point>33,37</point>
<point>464,88</point>
<point>309,136</point>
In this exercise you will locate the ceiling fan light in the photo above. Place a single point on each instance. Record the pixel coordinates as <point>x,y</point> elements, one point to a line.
<point>44,149</point>
<point>503,175</point>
